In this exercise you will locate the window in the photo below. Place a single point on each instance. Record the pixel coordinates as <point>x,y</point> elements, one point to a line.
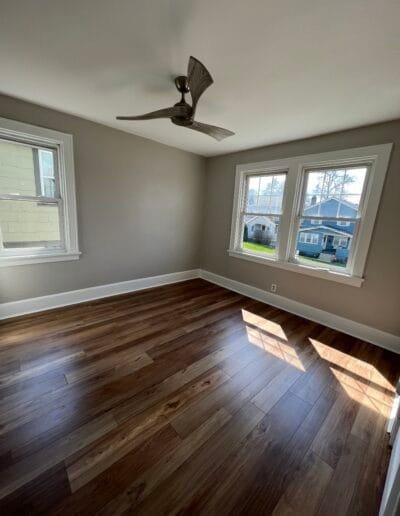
<point>37,198</point>
<point>334,194</point>
<point>337,191</point>
<point>260,212</point>
<point>340,242</point>
<point>308,238</point>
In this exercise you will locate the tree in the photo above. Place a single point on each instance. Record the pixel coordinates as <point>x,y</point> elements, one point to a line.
<point>331,184</point>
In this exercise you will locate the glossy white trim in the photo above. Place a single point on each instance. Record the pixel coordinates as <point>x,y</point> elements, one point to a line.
<point>38,304</point>
<point>10,261</point>
<point>316,272</point>
<point>376,157</point>
<point>63,143</point>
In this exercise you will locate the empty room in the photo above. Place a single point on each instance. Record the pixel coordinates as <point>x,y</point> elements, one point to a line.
<point>200,257</point>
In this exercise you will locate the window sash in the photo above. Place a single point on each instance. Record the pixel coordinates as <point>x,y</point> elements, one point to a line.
<point>32,198</point>
<point>21,251</point>
<point>242,213</point>
<point>321,219</point>
<point>357,220</point>
<point>308,170</point>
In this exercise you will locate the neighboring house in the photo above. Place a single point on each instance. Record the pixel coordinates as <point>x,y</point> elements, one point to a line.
<point>29,173</point>
<point>261,228</point>
<point>328,240</point>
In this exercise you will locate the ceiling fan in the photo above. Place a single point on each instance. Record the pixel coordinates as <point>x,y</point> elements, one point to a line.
<point>198,79</point>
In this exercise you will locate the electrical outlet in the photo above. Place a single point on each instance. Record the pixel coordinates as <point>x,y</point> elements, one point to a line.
<point>273,287</point>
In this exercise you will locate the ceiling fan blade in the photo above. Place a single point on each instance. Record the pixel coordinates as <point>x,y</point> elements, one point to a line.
<point>199,79</point>
<point>216,132</point>
<point>161,113</point>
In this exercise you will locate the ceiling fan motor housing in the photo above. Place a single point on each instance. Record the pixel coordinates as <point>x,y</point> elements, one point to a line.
<point>182,84</point>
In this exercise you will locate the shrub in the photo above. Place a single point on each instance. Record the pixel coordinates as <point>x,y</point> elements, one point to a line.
<point>246,233</point>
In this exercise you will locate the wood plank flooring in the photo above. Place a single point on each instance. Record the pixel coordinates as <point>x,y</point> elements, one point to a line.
<point>190,399</point>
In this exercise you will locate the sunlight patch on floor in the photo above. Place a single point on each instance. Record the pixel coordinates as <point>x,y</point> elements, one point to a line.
<point>362,395</point>
<point>274,347</point>
<point>270,327</point>
<point>362,372</point>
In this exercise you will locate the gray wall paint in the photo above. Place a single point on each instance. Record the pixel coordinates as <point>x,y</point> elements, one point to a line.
<point>377,302</point>
<point>139,208</point>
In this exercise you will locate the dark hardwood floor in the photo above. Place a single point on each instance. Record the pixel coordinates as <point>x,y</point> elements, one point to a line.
<point>189,399</point>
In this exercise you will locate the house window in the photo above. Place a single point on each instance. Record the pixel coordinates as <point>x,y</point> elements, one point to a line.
<point>37,197</point>
<point>45,171</point>
<point>261,200</point>
<point>340,242</point>
<point>308,238</point>
<point>339,191</point>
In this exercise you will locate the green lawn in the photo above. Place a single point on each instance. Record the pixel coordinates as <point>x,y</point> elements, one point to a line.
<point>251,246</point>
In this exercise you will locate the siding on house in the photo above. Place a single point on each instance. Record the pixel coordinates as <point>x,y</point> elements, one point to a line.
<point>329,208</point>
<point>23,221</point>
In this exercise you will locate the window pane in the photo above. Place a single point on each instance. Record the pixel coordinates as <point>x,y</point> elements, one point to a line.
<point>328,244</point>
<point>260,234</point>
<point>47,173</point>
<point>265,193</point>
<point>29,224</point>
<point>26,170</point>
<point>334,193</point>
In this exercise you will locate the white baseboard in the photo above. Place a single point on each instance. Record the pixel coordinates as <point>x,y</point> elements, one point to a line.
<point>355,329</point>
<point>358,330</point>
<point>37,304</point>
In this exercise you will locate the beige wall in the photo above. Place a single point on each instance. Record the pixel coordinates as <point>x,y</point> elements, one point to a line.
<point>377,302</point>
<point>139,208</point>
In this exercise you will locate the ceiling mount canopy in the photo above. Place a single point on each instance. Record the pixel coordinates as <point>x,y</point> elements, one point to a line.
<point>198,79</point>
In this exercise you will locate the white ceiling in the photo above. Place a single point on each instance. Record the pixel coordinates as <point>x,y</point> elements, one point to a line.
<point>283,69</point>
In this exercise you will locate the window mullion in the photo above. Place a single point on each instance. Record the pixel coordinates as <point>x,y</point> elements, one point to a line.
<point>288,214</point>
<point>340,219</point>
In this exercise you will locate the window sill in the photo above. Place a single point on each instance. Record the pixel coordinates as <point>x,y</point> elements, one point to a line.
<point>11,261</point>
<point>302,269</point>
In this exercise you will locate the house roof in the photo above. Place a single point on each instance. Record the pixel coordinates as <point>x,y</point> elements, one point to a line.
<point>346,203</point>
<point>268,221</point>
<point>327,229</point>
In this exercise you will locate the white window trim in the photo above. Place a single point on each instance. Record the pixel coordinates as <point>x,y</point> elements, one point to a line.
<point>376,157</point>
<point>26,133</point>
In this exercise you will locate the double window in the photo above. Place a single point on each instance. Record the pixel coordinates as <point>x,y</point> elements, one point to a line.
<point>318,211</point>
<point>37,197</point>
